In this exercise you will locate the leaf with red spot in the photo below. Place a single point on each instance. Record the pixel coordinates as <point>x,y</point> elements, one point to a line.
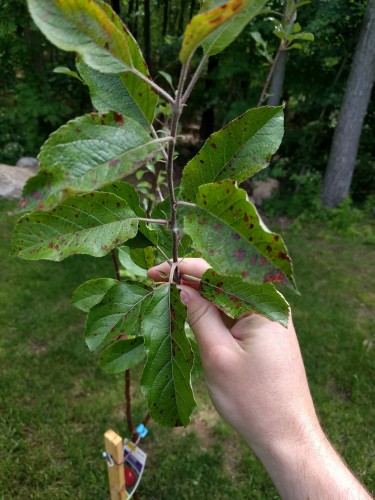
<point>229,31</point>
<point>91,224</point>
<point>95,32</point>
<point>86,154</point>
<point>118,313</point>
<point>207,22</point>
<point>236,297</point>
<point>166,378</point>
<point>238,151</point>
<point>124,93</point>
<point>227,230</point>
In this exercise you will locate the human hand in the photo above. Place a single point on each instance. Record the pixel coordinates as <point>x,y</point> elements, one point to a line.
<point>253,370</point>
<point>256,379</point>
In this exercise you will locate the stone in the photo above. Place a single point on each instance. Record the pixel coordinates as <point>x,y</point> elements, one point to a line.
<point>28,162</point>
<point>13,180</point>
<point>264,190</point>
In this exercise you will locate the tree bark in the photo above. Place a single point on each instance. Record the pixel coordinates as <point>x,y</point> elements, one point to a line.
<point>147,32</point>
<point>116,6</point>
<point>277,82</point>
<point>165,17</point>
<point>344,149</point>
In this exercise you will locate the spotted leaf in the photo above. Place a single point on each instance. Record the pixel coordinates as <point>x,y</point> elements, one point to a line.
<point>84,155</point>
<point>236,297</point>
<point>228,32</point>
<point>207,22</point>
<point>118,313</point>
<point>124,93</point>
<point>228,232</point>
<point>238,151</point>
<point>166,378</point>
<point>92,224</point>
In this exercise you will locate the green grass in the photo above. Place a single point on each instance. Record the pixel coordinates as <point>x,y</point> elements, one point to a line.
<point>55,404</point>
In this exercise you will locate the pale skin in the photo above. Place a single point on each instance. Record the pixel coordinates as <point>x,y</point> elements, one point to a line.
<point>257,382</point>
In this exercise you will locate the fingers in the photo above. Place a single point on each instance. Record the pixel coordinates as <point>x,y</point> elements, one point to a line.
<point>192,267</point>
<point>205,320</point>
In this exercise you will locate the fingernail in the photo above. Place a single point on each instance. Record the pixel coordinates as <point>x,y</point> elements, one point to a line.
<point>184,297</point>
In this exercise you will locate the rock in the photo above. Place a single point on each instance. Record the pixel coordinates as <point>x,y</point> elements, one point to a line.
<point>28,162</point>
<point>264,190</point>
<point>13,179</point>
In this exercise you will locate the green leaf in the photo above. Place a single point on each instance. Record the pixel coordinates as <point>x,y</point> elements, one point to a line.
<point>66,71</point>
<point>144,257</point>
<point>129,269</point>
<point>122,355</point>
<point>229,31</point>
<point>207,22</point>
<point>118,313</point>
<point>236,297</point>
<point>128,193</point>
<point>91,293</point>
<point>92,29</point>
<point>168,78</point>
<point>237,152</point>
<point>119,93</point>
<point>86,154</point>
<point>308,37</point>
<point>166,378</point>
<point>228,232</point>
<point>92,224</point>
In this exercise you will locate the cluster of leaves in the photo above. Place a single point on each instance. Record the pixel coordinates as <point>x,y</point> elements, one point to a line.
<point>78,203</point>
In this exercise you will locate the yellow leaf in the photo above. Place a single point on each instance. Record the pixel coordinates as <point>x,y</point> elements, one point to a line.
<point>204,23</point>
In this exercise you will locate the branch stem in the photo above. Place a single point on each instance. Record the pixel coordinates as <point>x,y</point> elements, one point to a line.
<point>267,83</point>
<point>154,221</point>
<point>177,110</point>
<point>152,84</point>
<point>195,78</point>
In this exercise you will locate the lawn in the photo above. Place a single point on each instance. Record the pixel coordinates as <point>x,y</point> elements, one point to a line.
<point>55,404</point>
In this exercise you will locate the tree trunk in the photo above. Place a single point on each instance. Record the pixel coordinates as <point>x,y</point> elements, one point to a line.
<point>181,19</point>
<point>116,6</point>
<point>192,8</point>
<point>277,82</point>
<point>165,17</point>
<point>147,33</point>
<point>357,96</point>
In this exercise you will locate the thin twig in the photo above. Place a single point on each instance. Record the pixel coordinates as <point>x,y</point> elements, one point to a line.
<point>154,221</point>
<point>116,264</point>
<point>194,79</point>
<point>185,204</point>
<point>177,110</point>
<point>270,74</point>
<point>128,403</point>
<point>152,84</point>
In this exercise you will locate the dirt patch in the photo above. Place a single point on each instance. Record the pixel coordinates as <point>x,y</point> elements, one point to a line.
<point>38,347</point>
<point>203,424</point>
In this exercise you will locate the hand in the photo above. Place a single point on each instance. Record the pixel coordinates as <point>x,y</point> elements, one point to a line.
<point>257,382</point>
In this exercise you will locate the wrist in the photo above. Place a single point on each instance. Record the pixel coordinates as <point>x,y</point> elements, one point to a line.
<point>309,467</point>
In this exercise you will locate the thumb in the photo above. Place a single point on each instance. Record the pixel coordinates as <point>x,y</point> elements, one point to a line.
<point>204,319</point>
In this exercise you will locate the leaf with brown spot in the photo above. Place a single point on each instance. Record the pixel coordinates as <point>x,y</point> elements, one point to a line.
<point>207,22</point>
<point>83,224</point>
<point>122,355</point>
<point>166,378</point>
<point>91,293</point>
<point>242,148</point>
<point>106,148</point>
<point>118,313</point>
<point>241,245</point>
<point>229,31</point>
<point>236,297</point>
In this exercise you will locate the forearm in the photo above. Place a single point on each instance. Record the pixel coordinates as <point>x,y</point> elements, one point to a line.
<point>311,470</point>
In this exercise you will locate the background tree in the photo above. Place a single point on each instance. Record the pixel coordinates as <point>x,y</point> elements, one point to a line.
<point>345,143</point>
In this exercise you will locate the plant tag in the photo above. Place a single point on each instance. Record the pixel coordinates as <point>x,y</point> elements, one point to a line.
<point>136,459</point>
